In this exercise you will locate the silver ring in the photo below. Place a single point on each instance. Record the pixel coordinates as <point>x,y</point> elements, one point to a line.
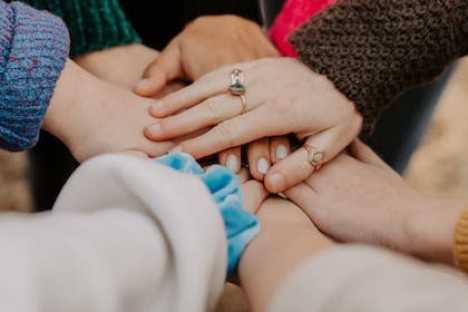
<point>237,86</point>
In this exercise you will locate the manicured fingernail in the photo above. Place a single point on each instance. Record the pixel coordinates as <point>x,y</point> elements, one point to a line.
<point>233,163</point>
<point>281,152</point>
<point>277,181</point>
<point>154,129</point>
<point>263,165</point>
<point>177,149</point>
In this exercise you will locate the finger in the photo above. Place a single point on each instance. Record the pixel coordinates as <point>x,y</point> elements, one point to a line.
<point>210,85</point>
<point>297,167</point>
<point>208,113</point>
<point>254,195</point>
<point>365,154</point>
<point>279,149</point>
<point>165,68</point>
<point>244,175</point>
<point>246,128</point>
<point>302,195</point>
<point>258,154</point>
<point>231,158</point>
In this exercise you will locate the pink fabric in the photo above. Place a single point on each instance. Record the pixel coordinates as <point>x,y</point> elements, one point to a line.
<point>294,14</point>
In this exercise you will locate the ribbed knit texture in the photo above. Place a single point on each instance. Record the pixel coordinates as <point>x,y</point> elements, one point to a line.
<point>94,24</point>
<point>373,50</point>
<point>33,50</point>
<point>461,242</point>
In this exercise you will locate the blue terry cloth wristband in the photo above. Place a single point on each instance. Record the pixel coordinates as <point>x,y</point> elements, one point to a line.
<point>240,225</point>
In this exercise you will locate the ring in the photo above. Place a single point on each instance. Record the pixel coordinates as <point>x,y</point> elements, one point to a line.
<point>315,157</point>
<point>243,103</point>
<point>237,86</point>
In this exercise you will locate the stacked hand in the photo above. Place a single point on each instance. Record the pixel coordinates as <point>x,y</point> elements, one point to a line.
<point>282,97</point>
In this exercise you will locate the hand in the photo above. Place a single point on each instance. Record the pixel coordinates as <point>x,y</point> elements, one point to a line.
<point>283,97</point>
<point>93,117</point>
<point>206,44</point>
<point>362,200</point>
<point>121,66</point>
<point>261,155</point>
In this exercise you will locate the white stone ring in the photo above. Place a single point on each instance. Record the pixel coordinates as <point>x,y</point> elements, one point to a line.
<point>237,86</point>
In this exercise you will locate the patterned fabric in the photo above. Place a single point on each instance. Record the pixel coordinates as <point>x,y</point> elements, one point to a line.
<point>240,225</point>
<point>373,50</point>
<point>94,24</point>
<point>293,15</point>
<point>33,51</point>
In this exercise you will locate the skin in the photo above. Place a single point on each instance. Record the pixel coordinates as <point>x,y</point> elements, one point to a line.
<point>283,97</point>
<point>203,46</point>
<point>87,114</point>
<point>209,42</point>
<point>286,230</point>
<point>359,198</point>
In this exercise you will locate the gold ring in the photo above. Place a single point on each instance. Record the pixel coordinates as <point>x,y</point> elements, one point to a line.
<point>314,156</point>
<point>243,103</point>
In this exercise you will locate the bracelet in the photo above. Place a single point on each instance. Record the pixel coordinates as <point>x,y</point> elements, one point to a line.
<point>461,243</point>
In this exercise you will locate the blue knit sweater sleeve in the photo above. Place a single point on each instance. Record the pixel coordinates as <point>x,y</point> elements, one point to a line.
<point>34,47</point>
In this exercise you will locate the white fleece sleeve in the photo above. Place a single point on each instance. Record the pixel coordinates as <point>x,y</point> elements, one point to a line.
<point>125,235</point>
<point>366,279</point>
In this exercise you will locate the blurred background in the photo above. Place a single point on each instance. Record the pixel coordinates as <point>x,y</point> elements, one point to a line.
<point>440,165</point>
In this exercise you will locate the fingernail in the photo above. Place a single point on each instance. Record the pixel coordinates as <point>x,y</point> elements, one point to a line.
<point>233,163</point>
<point>281,152</point>
<point>263,165</point>
<point>277,181</point>
<point>154,129</point>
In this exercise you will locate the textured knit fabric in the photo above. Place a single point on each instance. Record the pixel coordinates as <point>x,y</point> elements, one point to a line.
<point>241,226</point>
<point>94,24</point>
<point>373,50</point>
<point>365,279</point>
<point>293,15</point>
<point>461,242</point>
<point>33,50</point>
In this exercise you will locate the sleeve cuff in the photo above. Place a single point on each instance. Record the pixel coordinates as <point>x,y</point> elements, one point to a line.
<point>33,51</point>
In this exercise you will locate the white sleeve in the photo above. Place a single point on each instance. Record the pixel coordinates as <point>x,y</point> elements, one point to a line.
<point>125,235</point>
<point>366,279</point>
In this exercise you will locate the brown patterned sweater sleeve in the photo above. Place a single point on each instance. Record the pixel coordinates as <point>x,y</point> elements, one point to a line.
<point>373,50</point>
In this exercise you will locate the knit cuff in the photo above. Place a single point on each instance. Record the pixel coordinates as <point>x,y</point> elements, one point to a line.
<point>33,51</point>
<point>461,242</point>
<point>373,50</point>
<point>94,24</point>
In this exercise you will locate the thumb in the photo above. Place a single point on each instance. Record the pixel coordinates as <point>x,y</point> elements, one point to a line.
<point>163,69</point>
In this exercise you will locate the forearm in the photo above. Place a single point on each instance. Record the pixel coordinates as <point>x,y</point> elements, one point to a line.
<point>431,230</point>
<point>282,246</point>
<point>94,24</point>
<point>373,50</point>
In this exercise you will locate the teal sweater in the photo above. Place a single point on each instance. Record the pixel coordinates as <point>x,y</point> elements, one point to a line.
<point>93,24</point>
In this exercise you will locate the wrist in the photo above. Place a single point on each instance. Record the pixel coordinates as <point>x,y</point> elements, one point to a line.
<point>430,229</point>
<point>122,65</point>
<point>56,119</point>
